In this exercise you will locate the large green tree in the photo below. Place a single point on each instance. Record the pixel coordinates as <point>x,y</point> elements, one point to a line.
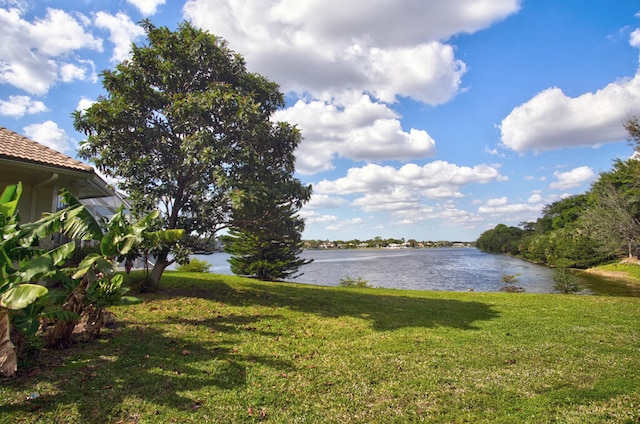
<point>613,216</point>
<point>179,120</point>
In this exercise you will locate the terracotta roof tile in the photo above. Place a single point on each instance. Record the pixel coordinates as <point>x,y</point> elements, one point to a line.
<point>20,148</point>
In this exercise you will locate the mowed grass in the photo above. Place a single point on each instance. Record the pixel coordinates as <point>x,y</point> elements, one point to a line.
<point>223,349</point>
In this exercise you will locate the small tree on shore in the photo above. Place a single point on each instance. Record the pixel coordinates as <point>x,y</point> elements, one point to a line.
<point>564,281</point>
<point>266,239</point>
<point>510,281</point>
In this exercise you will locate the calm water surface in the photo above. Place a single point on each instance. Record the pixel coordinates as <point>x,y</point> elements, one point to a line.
<point>450,269</point>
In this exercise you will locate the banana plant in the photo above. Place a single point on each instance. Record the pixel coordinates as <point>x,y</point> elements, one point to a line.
<point>98,284</point>
<point>22,264</point>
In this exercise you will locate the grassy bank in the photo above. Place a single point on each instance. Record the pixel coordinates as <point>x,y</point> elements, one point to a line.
<point>627,270</point>
<point>226,349</point>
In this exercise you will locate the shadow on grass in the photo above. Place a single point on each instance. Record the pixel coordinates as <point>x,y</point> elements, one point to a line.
<point>141,362</point>
<point>384,311</point>
<point>134,363</point>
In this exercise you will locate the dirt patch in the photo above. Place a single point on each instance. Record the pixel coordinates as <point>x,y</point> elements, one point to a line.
<point>614,275</point>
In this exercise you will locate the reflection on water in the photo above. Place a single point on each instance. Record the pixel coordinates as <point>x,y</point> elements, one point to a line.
<point>450,269</point>
<point>608,286</point>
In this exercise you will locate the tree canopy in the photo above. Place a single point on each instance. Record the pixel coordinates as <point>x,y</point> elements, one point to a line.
<point>183,125</point>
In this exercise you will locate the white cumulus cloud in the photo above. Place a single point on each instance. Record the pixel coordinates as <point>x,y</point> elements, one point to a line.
<point>375,46</point>
<point>84,104</point>
<point>123,33</point>
<point>398,198</point>
<point>536,197</point>
<point>18,106</point>
<point>501,201</point>
<point>323,201</point>
<point>552,120</point>
<point>511,209</point>
<point>49,134</point>
<point>572,179</point>
<point>35,55</point>
<point>634,39</point>
<point>352,126</point>
<point>419,180</point>
<point>147,7</point>
<point>312,217</point>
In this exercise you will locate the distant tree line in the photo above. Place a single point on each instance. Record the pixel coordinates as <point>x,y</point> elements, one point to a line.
<point>379,242</point>
<point>582,230</point>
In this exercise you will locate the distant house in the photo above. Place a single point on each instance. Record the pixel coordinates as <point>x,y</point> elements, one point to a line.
<point>44,171</point>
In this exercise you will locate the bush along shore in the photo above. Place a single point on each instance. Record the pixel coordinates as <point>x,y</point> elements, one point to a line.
<point>211,348</point>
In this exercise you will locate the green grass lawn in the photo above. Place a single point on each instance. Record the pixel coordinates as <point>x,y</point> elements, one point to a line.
<point>222,349</point>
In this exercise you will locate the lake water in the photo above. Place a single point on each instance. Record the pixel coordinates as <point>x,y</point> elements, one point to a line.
<point>450,269</point>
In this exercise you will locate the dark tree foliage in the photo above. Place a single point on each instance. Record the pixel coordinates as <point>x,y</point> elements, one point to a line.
<point>267,249</point>
<point>180,119</point>
<point>556,235</point>
<point>561,213</point>
<point>613,217</point>
<point>625,179</point>
<point>501,239</point>
<point>632,125</point>
<point>265,238</point>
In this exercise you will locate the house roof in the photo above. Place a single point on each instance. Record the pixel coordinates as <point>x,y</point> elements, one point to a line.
<point>14,146</point>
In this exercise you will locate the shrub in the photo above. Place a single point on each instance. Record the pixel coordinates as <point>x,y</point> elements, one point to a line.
<point>509,281</point>
<point>564,281</point>
<point>351,282</point>
<point>195,265</point>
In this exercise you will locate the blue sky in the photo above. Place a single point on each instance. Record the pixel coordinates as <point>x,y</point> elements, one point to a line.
<point>421,119</point>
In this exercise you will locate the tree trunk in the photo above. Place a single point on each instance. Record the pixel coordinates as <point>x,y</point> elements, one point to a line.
<point>8,359</point>
<point>60,336</point>
<point>156,274</point>
<point>162,262</point>
<point>89,326</point>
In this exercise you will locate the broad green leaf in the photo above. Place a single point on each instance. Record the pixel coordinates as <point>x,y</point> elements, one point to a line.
<point>27,324</point>
<point>118,279</point>
<point>101,264</point>
<point>129,243</point>
<point>76,222</point>
<point>81,225</point>
<point>61,315</point>
<point>60,254</point>
<point>45,264</point>
<point>4,277</point>
<point>69,198</point>
<point>36,268</point>
<point>86,265</point>
<point>163,236</point>
<point>108,244</point>
<point>129,300</point>
<point>22,295</point>
<point>10,193</point>
<point>9,200</point>
<point>64,278</point>
<point>30,232</point>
